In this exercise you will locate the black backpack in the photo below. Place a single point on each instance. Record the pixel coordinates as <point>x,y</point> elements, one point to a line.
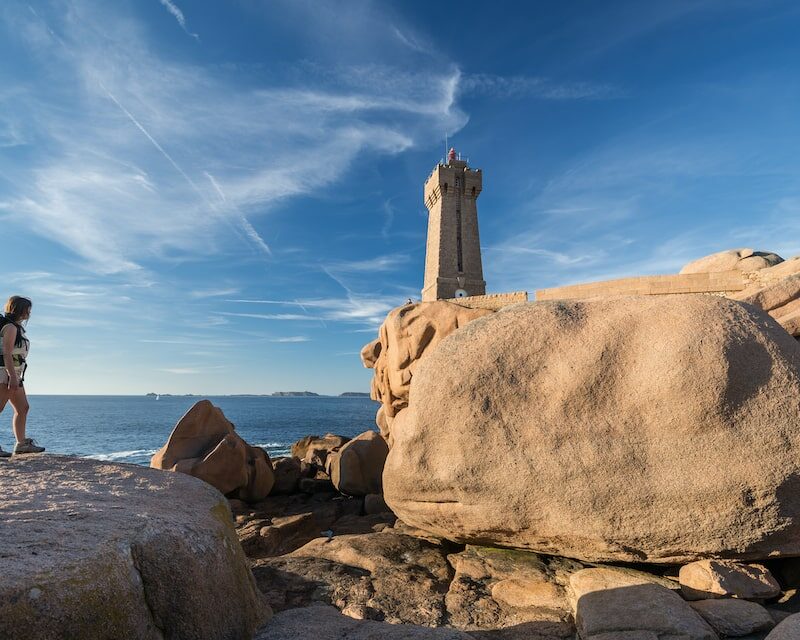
<point>4,320</point>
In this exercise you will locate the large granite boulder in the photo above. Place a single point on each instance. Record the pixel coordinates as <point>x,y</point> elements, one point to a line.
<point>408,333</point>
<point>205,444</point>
<point>745,260</point>
<point>93,550</point>
<point>656,429</point>
<point>357,468</point>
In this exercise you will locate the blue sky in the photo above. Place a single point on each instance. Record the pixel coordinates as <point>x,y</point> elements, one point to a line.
<point>226,197</point>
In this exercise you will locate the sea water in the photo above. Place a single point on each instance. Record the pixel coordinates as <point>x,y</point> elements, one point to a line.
<point>132,428</point>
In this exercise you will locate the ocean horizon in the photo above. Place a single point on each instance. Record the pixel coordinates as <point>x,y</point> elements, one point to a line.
<point>131,428</point>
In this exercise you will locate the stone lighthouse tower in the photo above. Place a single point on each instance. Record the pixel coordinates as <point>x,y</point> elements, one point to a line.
<point>453,266</point>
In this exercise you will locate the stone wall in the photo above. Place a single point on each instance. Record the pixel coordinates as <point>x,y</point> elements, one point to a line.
<point>493,301</point>
<point>721,282</point>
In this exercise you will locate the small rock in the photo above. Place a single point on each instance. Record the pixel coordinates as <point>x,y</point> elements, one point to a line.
<point>724,578</point>
<point>733,616</point>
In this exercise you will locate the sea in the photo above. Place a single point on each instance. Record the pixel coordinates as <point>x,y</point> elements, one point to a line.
<point>131,428</point>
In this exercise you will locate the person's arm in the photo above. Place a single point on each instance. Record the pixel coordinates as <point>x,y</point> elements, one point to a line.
<point>9,337</point>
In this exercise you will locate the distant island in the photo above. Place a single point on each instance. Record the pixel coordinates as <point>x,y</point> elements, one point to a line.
<point>275,394</point>
<point>295,394</point>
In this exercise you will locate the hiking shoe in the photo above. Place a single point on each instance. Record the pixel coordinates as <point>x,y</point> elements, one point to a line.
<point>27,446</point>
<point>4,454</point>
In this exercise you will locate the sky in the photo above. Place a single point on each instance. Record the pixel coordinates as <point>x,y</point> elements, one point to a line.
<point>226,197</point>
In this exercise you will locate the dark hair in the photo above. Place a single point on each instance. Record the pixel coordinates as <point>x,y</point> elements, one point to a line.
<point>17,307</point>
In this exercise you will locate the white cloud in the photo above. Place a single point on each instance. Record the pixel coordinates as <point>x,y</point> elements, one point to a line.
<point>291,339</point>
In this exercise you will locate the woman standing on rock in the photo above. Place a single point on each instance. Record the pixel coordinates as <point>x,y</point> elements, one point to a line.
<point>14,348</point>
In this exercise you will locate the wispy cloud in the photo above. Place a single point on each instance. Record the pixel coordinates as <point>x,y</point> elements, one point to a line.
<point>370,265</point>
<point>539,87</point>
<point>371,309</point>
<point>269,316</point>
<point>290,339</point>
<point>179,17</point>
<point>213,293</point>
<point>148,158</point>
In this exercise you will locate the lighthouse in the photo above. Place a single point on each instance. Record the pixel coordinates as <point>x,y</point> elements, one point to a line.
<point>453,267</point>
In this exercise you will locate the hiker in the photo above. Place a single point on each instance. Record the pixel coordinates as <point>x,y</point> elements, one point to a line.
<point>14,348</point>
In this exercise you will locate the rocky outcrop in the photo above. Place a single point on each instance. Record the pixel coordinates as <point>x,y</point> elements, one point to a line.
<point>405,337</point>
<point>500,443</point>
<point>386,576</point>
<point>94,550</point>
<point>357,468</point>
<point>745,260</point>
<point>773,284</point>
<point>205,444</point>
<point>776,290</point>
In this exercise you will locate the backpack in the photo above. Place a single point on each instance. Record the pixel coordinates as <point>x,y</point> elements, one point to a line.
<point>4,320</point>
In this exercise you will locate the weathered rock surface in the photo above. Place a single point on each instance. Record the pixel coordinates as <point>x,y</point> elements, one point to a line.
<point>724,579</point>
<point>499,443</point>
<point>205,444</point>
<point>357,468</point>
<point>608,607</point>
<point>734,617</point>
<point>405,580</point>
<point>789,629</point>
<point>745,260</point>
<point>408,333</point>
<point>94,550</point>
<point>327,623</point>
<point>502,588</point>
<point>391,577</point>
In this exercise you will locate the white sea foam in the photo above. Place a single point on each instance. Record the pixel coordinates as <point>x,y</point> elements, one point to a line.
<point>121,455</point>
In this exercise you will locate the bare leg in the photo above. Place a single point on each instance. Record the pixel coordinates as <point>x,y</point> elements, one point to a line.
<point>19,400</point>
<point>3,395</point>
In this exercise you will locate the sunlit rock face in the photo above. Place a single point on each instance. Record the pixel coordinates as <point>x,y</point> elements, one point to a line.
<point>205,444</point>
<point>657,429</point>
